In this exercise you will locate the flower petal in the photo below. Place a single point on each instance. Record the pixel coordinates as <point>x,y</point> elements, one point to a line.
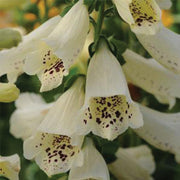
<point>63,116</point>
<point>164,4</point>
<point>68,38</point>
<point>151,76</point>
<point>49,68</point>
<point>109,110</point>
<point>163,47</point>
<point>93,167</point>
<point>142,16</point>
<point>31,110</point>
<point>133,163</point>
<point>12,60</point>
<point>53,153</point>
<point>10,166</point>
<point>160,129</point>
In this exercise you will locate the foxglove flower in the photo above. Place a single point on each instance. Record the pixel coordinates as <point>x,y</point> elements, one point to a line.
<point>62,118</point>
<point>164,4</point>
<point>108,110</point>
<point>142,16</point>
<point>163,47</point>
<point>152,77</point>
<point>8,92</point>
<point>12,60</point>
<point>31,110</point>
<point>53,153</point>
<point>92,166</point>
<point>10,166</point>
<point>161,130</point>
<point>53,58</point>
<point>133,163</point>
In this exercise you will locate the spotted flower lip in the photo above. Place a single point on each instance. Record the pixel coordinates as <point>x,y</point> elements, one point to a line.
<point>133,163</point>
<point>92,166</point>
<point>161,130</point>
<point>62,118</point>
<point>31,110</point>
<point>164,4</point>
<point>12,60</point>
<point>151,76</point>
<point>53,153</point>
<point>108,109</point>
<point>10,166</point>
<point>164,48</point>
<point>142,16</point>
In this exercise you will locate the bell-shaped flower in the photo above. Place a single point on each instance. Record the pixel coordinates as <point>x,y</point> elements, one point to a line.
<point>52,59</point>
<point>10,167</point>
<point>62,118</point>
<point>163,47</point>
<point>133,163</point>
<point>161,130</point>
<point>8,92</point>
<point>12,60</point>
<point>31,110</point>
<point>53,153</point>
<point>152,77</point>
<point>142,16</point>
<point>164,4</point>
<point>108,110</point>
<point>92,166</point>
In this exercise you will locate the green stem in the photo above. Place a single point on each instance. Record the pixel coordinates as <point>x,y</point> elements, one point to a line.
<point>99,24</point>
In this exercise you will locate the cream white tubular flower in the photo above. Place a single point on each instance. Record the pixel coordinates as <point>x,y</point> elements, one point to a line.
<point>163,47</point>
<point>133,163</point>
<point>12,60</point>
<point>160,129</point>
<point>62,118</point>
<point>164,4</point>
<point>53,153</point>
<point>52,60</point>
<point>152,77</point>
<point>10,167</point>
<point>31,110</point>
<point>142,16</point>
<point>93,165</point>
<point>108,109</point>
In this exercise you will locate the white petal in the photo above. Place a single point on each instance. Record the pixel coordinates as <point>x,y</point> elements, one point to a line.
<point>44,30</point>
<point>164,4</point>
<point>151,76</point>
<point>133,163</point>
<point>142,16</point>
<point>166,100</point>
<point>143,156</point>
<point>109,109</point>
<point>69,36</point>
<point>53,153</point>
<point>93,167</point>
<point>63,116</point>
<point>31,110</point>
<point>12,60</point>
<point>10,166</point>
<point>163,47</point>
<point>160,129</point>
<point>49,68</point>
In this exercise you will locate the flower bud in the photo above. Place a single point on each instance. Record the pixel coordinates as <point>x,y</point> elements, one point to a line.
<point>8,92</point>
<point>9,37</point>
